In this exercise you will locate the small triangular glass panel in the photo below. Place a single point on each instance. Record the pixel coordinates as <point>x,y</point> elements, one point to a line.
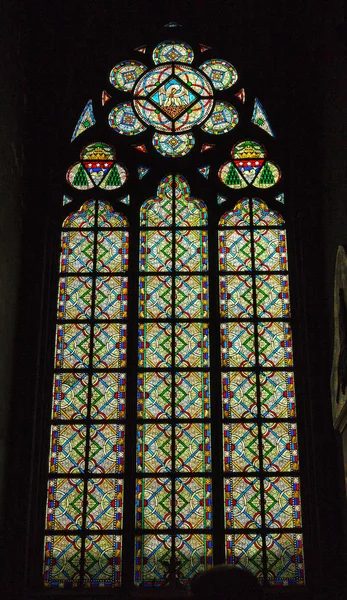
<point>141,148</point>
<point>241,95</point>
<point>85,121</point>
<point>142,171</point>
<point>260,119</point>
<point>141,49</point>
<point>66,200</point>
<point>207,147</point>
<point>105,97</point>
<point>204,171</point>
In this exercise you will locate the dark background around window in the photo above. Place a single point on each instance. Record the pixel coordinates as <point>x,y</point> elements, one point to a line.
<point>55,56</point>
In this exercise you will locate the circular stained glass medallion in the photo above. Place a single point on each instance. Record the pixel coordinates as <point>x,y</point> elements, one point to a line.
<point>223,118</point>
<point>123,120</point>
<point>172,51</point>
<point>125,74</point>
<point>222,73</point>
<point>173,145</point>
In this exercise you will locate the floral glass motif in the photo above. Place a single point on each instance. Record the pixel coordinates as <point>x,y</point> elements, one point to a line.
<point>86,460</point>
<point>249,167</point>
<point>262,498</point>
<point>173,388</point>
<point>173,97</point>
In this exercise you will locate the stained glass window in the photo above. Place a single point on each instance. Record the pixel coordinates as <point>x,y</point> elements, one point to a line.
<point>171,504</point>
<point>174,487</point>
<point>83,542</point>
<point>263,528</point>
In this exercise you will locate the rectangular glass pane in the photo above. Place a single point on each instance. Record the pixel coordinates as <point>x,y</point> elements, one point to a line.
<point>64,504</point>
<point>282,507</point>
<point>191,297</point>
<point>109,345</point>
<point>237,345</point>
<point>241,449</point>
<point>154,396</point>
<point>68,448</point>
<point>155,297</point>
<point>155,251</point>
<point>193,497</point>
<point>192,395</point>
<point>246,551</point>
<point>191,250</point>
<point>192,345</point>
<point>270,249</point>
<point>192,447</point>
<point>242,498</point>
<point>235,250</point>
<point>236,296</point>
<point>111,297</point>
<point>74,297</point>
<point>275,344</point>
<point>239,391</point>
<point>272,293</point>
<point>154,448</point>
<point>62,558</point>
<point>108,396</point>
<point>153,503</point>
<point>277,394</point>
<point>70,394</point>
<point>285,560</point>
<point>280,447</point>
<point>77,251</point>
<point>106,453</point>
<point>155,345</point>
<point>152,554</point>
<point>102,565</point>
<point>72,346</point>
<point>112,251</point>
<point>105,503</point>
<point>194,551</point>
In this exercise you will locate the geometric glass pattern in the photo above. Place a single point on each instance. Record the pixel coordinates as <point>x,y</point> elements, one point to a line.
<point>262,518</point>
<point>173,455</point>
<point>84,514</point>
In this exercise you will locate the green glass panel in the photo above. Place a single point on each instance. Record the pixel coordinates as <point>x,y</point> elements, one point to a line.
<point>192,447</point>
<point>154,396</point>
<point>241,447</point>
<point>153,503</point>
<point>105,504</point>
<point>242,499</point>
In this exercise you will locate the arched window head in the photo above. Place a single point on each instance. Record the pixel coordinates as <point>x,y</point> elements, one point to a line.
<point>173,425</point>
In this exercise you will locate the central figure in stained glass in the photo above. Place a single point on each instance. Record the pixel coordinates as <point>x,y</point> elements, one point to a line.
<point>173,98</point>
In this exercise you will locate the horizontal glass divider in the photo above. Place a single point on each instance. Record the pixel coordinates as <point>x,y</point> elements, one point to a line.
<point>257,368</point>
<point>92,320</point>
<point>94,272</point>
<point>83,532</point>
<point>176,320</point>
<point>173,530</point>
<point>261,474</point>
<point>260,419</point>
<point>174,369</point>
<point>280,226</point>
<point>173,420</point>
<point>250,271</point>
<point>173,475</point>
<point>94,228</point>
<point>178,228</point>
<point>99,370</point>
<point>266,530</point>
<point>86,475</point>
<point>254,319</point>
<point>89,421</point>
